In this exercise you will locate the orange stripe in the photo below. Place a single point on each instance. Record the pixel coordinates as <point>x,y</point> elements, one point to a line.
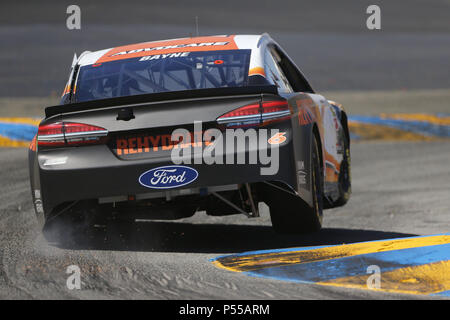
<point>257,70</point>
<point>331,175</point>
<point>113,55</point>
<point>66,90</point>
<point>32,146</point>
<point>330,158</point>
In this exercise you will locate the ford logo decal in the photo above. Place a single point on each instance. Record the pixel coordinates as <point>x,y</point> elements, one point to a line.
<point>168,177</point>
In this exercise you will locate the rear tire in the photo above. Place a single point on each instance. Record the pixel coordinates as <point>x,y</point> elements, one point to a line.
<point>291,214</point>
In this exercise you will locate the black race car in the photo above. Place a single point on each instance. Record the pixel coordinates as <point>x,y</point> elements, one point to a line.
<point>160,130</point>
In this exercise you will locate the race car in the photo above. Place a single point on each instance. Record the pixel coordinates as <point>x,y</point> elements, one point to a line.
<point>163,129</point>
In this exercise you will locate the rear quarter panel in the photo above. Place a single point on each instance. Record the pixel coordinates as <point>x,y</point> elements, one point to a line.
<point>309,110</point>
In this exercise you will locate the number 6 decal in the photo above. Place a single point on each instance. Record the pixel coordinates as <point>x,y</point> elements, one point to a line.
<point>277,138</point>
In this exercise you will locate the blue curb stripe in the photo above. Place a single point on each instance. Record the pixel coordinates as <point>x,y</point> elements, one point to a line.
<point>430,258</point>
<point>355,265</point>
<point>422,127</point>
<point>443,293</point>
<point>18,131</point>
<point>249,253</point>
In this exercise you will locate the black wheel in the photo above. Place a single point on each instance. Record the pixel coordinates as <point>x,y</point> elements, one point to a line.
<point>291,214</point>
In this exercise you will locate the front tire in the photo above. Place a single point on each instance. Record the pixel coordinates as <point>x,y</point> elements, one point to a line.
<point>345,185</point>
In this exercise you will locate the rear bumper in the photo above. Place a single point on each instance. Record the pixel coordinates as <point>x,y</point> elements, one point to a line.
<point>95,172</point>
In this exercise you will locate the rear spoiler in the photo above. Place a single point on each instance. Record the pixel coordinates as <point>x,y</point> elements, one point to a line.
<point>155,97</point>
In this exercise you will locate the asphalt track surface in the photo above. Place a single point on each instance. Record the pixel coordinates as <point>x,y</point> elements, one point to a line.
<point>399,189</point>
<point>404,193</point>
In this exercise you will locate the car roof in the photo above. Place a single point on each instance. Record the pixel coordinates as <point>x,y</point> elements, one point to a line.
<point>204,43</point>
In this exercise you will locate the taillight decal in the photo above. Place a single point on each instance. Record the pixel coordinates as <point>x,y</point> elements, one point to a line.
<point>256,114</point>
<point>69,133</point>
<point>51,134</point>
<point>53,129</point>
<point>275,110</point>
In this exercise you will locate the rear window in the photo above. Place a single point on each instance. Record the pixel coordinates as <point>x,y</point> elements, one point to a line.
<point>162,73</point>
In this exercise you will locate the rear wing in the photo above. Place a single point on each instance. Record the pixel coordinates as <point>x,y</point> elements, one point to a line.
<point>155,97</point>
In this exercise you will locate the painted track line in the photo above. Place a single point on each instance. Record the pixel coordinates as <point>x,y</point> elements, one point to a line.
<point>415,265</point>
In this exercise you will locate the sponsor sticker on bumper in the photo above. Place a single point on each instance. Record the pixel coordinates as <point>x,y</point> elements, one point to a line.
<point>168,177</point>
